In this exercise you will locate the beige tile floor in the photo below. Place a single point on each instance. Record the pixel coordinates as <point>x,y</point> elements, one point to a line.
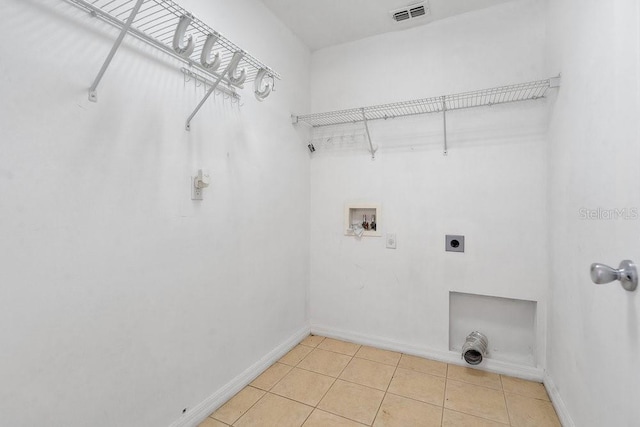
<point>325,382</point>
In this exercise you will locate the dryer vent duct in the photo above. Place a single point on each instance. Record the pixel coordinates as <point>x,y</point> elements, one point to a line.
<point>475,348</point>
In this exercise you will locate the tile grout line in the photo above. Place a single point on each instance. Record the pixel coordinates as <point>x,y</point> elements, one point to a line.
<point>474,384</point>
<point>267,392</point>
<point>248,409</point>
<point>294,401</point>
<point>479,417</point>
<point>444,398</point>
<point>385,392</point>
<point>345,354</point>
<point>280,380</point>
<point>424,373</point>
<point>336,380</point>
<point>475,415</point>
<point>345,367</point>
<point>351,358</point>
<point>384,396</point>
<point>325,393</point>
<point>416,400</point>
<point>504,397</point>
<point>320,400</point>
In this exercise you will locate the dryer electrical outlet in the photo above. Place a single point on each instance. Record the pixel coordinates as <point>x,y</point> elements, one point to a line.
<point>454,243</point>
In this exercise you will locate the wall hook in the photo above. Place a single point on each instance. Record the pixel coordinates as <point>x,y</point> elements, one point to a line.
<point>260,92</point>
<point>626,273</point>
<point>233,68</point>
<point>178,37</point>
<point>206,52</point>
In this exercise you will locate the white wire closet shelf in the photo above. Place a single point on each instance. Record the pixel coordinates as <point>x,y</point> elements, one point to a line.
<point>172,29</point>
<point>439,104</point>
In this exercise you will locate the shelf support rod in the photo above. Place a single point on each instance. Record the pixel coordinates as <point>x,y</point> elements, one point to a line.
<point>366,127</point>
<point>208,94</point>
<point>444,120</point>
<point>93,95</point>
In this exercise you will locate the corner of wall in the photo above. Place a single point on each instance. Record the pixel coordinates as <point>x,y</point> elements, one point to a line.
<point>558,403</point>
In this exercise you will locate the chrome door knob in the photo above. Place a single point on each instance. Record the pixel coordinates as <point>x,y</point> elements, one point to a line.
<point>626,273</point>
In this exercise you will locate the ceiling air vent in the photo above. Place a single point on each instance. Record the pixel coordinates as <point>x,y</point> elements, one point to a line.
<point>403,15</point>
<point>412,11</point>
<point>417,11</point>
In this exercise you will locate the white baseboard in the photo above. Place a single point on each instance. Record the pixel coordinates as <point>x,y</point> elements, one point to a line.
<point>558,403</point>
<point>496,366</point>
<point>201,411</point>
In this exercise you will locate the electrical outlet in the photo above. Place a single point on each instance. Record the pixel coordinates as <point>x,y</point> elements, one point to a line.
<point>391,241</point>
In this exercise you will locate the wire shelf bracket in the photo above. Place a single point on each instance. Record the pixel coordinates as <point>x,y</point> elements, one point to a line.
<point>93,95</point>
<point>440,104</point>
<point>445,150</point>
<point>164,24</point>
<point>366,128</point>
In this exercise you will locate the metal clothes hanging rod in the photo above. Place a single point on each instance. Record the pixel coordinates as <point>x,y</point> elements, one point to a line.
<point>438,104</point>
<point>199,80</point>
<point>166,26</point>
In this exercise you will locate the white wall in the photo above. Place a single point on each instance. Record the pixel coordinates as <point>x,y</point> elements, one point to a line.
<point>491,187</point>
<point>594,336</point>
<point>122,301</point>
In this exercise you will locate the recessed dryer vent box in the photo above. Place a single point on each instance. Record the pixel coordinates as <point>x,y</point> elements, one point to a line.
<point>355,213</point>
<point>454,243</point>
<point>509,324</point>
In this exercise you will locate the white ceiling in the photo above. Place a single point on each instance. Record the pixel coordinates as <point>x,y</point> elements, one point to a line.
<point>322,23</point>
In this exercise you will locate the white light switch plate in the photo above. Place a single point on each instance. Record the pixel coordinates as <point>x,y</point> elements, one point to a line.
<point>391,241</point>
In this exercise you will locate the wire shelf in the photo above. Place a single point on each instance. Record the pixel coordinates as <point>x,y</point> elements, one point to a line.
<point>155,24</point>
<point>479,98</point>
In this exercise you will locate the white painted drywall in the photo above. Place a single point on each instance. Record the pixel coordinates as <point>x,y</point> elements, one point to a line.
<point>121,300</point>
<point>594,331</point>
<point>490,188</point>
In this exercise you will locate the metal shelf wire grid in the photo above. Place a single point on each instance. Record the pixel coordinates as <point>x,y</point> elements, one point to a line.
<point>156,23</point>
<point>486,97</point>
